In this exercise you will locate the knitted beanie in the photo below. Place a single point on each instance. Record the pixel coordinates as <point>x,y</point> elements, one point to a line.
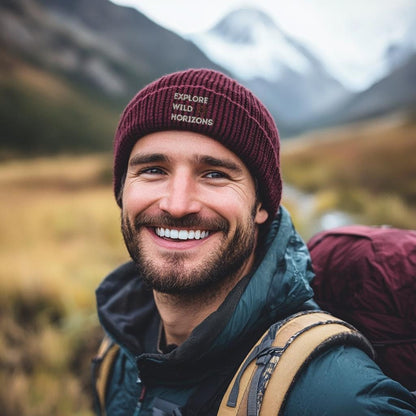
<point>210,103</point>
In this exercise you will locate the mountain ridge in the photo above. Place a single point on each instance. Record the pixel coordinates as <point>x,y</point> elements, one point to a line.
<point>99,53</point>
<point>285,74</point>
<point>67,69</point>
<point>311,98</point>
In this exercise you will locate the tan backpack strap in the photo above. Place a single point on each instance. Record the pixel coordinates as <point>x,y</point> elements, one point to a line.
<point>297,340</point>
<point>103,364</point>
<point>238,407</point>
<point>314,331</point>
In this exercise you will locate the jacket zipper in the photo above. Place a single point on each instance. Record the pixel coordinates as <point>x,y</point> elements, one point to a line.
<point>142,394</point>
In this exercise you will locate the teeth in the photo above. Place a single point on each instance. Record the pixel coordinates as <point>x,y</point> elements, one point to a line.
<point>181,234</point>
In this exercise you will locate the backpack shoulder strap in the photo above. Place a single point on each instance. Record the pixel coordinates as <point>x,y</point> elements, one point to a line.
<point>263,381</point>
<point>103,364</point>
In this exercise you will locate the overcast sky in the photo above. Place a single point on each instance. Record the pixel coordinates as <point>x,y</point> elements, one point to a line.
<point>186,16</point>
<point>350,33</point>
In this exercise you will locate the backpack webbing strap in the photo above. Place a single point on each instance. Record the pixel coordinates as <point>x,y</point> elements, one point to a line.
<point>295,341</point>
<point>103,364</point>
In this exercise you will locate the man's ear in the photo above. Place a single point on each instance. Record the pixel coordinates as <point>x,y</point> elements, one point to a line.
<point>261,214</point>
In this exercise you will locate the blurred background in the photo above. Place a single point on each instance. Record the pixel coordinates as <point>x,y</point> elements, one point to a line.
<point>338,77</point>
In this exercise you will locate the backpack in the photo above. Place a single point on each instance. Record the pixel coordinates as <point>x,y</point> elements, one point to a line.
<point>264,379</point>
<point>367,276</point>
<point>102,365</point>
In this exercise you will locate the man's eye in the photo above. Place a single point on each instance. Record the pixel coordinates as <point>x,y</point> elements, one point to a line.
<point>151,171</point>
<point>215,175</point>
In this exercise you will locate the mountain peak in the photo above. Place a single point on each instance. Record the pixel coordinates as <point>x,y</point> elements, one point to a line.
<point>250,45</point>
<point>243,25</point>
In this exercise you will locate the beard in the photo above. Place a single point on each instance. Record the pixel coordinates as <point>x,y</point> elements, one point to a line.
<point>216,269</point>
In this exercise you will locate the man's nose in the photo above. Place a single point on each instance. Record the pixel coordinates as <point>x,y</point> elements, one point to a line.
<point>181,197</point>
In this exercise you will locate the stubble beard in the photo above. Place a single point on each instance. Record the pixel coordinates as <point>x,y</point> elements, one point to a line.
<point>217,270</point>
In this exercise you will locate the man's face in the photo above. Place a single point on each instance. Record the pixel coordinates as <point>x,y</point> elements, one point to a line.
<point>190,214</point>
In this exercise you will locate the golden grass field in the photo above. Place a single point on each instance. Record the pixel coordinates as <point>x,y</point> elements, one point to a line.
<point>59,236</point>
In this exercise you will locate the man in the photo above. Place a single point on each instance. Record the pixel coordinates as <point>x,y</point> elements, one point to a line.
<point>216,260</point>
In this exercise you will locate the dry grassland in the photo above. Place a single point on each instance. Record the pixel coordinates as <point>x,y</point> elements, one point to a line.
<point>59,236</point>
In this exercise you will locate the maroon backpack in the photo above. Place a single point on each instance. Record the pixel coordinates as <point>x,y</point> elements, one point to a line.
<point>367,276</point>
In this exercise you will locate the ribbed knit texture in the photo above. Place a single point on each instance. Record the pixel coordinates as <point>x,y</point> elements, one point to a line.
<point>210,103</point>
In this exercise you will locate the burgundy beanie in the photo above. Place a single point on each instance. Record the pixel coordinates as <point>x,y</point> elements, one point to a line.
<point>210,103</point>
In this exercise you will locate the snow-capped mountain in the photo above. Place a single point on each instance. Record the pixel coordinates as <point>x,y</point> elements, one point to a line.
<point>290,80</point>
<point>397,53</point>
<point>250,45</point>
<point>393,87</point>
<point>300,87</point>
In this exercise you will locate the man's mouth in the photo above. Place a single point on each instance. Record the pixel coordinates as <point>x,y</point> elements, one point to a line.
<point>183,235</point>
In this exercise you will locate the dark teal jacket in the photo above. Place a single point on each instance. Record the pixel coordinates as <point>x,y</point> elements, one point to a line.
<point>193,377</point>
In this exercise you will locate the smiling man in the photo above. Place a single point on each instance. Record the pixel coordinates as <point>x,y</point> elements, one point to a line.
<point>190,217</point>
<point>215,259</point>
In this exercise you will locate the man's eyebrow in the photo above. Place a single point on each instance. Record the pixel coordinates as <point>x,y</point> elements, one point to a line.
<point>141,159</point>
<point>220,163</point>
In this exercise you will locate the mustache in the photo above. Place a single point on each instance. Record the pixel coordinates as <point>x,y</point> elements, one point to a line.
<point>187,221</point>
